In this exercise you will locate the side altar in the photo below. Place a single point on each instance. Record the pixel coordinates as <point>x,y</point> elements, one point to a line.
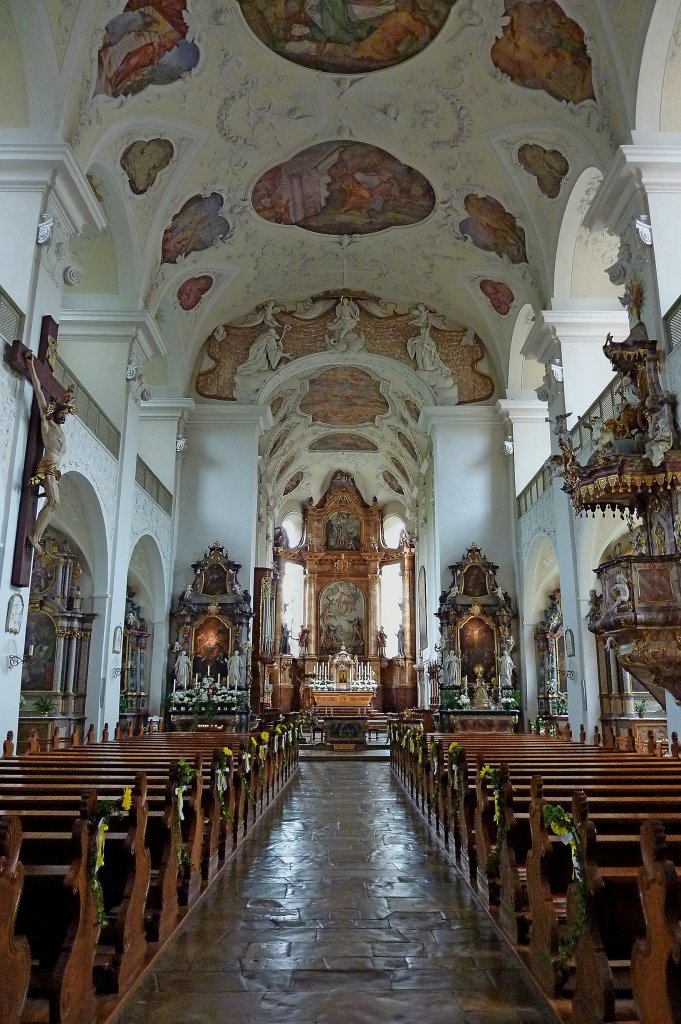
<point>209,676</point>
<point>477,689</point>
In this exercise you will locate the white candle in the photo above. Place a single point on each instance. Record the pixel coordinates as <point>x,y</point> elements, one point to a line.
<point>218,678</point>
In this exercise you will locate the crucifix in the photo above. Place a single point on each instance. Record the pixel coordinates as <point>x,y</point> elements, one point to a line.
<point>45,445</point>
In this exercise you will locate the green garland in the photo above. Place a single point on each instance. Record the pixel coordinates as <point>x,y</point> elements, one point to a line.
<point>493,778</point>
<point>562,824</point>
<point>105,811</point>
<point>185,777</point>
<point>224,767</point>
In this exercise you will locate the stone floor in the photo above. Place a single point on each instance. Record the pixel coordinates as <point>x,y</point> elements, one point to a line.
<point>338,911</point>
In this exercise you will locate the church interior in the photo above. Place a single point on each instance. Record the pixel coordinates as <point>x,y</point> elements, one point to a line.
<point>341,488</point>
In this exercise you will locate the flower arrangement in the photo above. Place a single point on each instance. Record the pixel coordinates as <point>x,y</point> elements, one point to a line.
<point>206,700</point>
<point>455,700</point>
<point>509,702</point>
<point>640,708</point>
<point>104,812</point>
<point>185,777</point>
<point>493,778</point>
<point>224,762</point>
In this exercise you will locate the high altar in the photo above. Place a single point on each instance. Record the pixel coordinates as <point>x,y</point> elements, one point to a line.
<point>342,552</point>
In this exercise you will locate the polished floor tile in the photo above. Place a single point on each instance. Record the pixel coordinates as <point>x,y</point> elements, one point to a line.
<point>339,910</point>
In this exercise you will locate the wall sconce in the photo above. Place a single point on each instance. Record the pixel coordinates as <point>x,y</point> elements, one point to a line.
<point>13,660</point>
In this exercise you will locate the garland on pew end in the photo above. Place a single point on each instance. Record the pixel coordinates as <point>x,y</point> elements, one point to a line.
<point>106,810</point>
<point>185,777</point>
<point>562,824</point>
<point>493,778</point>
<point>223,770</point>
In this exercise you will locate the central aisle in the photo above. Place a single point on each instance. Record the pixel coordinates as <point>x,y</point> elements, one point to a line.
<point>338,911</point>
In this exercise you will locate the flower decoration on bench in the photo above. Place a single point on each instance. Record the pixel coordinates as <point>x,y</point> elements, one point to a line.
<point>185,777</point>
<point>563,825</point>
<point>492,777</point>
<point>105,811</point>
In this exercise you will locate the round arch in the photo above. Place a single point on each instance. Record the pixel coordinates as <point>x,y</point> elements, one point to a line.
<point>80,516</point>
<point>147,572</point>
<point>540,576</point>
<point>523,374</point>
<point>653,71</point>
<point>581,257</point>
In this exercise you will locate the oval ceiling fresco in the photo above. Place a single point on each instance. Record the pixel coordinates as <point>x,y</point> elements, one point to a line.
<point>347,36</point>
<point>343,188</point>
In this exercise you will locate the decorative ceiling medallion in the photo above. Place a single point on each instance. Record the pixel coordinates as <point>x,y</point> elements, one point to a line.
<point>343,443</point>
<point>548,166</point>
<point>143,162</point>
<point>343,188</point>
<point>346,36</point>
<point>191,291</point>
<point>195,227</point>
<point>493,228</point>
<point>344,395</point>
<point>541,48</point>
<point>145,45</point>
<point>500,296</point>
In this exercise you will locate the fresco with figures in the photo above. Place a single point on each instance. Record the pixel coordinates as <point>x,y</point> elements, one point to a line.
<point>343,443</point>
<point>195,227</point>
<point>341,618</point>
<point>548,166</point>
<point>343,532</point>
<point>191,291</point>
<point>347,36</point>
<point>143,161</point>
<point>341,395</point>
<point>343,188</point>
<point>146,44</point>
<point>500,296</point>
<point>493,228</point>
<point>540,47</point>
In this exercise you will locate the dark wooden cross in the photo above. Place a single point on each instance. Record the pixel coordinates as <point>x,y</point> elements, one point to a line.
<point>44,363</point>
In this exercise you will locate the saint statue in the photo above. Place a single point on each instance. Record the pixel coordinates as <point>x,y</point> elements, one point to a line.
<point>265,355</point>
<point>304,639</point>
<point>344,333</point>
<point>52,418</point>
<point>285,640</point>
<point>400,641</point>
<point>381,641</point>
<point>505,671</point>
<point>430,367</point>
<point>234,669</point>
<point>453,669</point>
<point>620,592</point>
<point>182,671</point>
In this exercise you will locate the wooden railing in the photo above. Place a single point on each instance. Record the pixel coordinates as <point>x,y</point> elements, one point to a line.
<point>11,319</point>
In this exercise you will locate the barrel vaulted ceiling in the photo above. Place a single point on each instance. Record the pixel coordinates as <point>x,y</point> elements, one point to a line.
<point>263,154</point>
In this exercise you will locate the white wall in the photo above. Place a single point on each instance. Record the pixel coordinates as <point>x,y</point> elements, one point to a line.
<point>218,495</point>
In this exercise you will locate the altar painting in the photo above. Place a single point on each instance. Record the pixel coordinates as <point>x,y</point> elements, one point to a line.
<point>145,45</point>
<point>347,36</point>
<point>341,618</point>
<point>212,646</point>
<point>343,188</point>
<point>477,645</point>
<point>343,532</point>
<point>37,672</point>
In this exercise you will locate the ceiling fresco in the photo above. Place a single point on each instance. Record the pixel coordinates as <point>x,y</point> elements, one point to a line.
<point>347,36</point>
<point>212,129</point>
<point>542,48</point>
<point>343,443</point>
<point>145,45</point>
<point>196,226</point>
<point>500,296</point>
<point>344,395</point>
<point>548,166</point>
<point>191,291</point>
<point>143,161</point>
<point>344,188</point>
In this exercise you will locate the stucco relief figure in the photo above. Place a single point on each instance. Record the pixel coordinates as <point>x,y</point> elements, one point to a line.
<point>344,333</point>
<point>182,671</point>
<point>52,417</point>
<point>265,355</point>
<point>430,367</point>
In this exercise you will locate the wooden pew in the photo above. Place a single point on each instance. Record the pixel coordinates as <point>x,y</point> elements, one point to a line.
<point>15,954</point>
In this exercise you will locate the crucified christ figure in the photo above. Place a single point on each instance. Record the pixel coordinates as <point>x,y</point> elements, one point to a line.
<point>52,416</point>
